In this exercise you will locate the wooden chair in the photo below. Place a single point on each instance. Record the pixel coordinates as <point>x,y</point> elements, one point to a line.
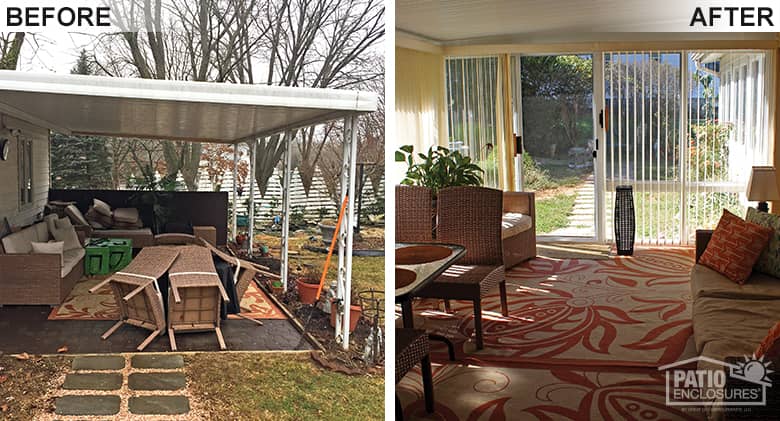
<point>137,293</point>
<point>471,217</point>
<point>194,298</point>
<point>413,214</point>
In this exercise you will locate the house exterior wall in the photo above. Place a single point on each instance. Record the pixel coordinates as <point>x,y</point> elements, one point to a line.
<point>10,206</point>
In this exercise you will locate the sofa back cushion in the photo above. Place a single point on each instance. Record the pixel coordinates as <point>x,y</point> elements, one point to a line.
<point>769,260</point>
<point>51,221</point>
<point>41,232</point>
<point>735,247</point>
<point>75,215</point>
<point>69,237</point>
<point>21,241</point>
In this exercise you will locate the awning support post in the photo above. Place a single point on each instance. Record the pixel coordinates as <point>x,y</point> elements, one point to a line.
<point>235,191</point>
<point>346,232</point>
<point>251,223</point>
<point>287,175</point>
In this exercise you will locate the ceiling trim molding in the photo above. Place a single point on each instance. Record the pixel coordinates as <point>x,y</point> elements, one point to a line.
<point>539,48</point>
<point>412,41</point>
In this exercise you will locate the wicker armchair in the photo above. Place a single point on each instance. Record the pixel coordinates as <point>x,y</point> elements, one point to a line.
<point>413,214</point>
<point>412,348</point>
<point>519,246</point>
<point>471,217</point>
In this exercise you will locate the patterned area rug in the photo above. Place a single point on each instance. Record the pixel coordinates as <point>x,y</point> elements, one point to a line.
<point>492,393</point>
<point>625,311</point>
<point>81,305</point>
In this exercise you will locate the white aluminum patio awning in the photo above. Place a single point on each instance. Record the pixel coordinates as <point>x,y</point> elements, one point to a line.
<point>178,110</point>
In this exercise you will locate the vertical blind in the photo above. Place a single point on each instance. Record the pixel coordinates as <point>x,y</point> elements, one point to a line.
<point>473,112</point>
<point>683,128</point>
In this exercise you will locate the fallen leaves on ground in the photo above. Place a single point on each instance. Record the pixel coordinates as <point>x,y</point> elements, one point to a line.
<point>62,349</point>
<point>23,356</point>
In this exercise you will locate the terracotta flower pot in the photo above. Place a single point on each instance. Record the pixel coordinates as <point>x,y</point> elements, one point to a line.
<point>277,289</point>
<point>354,316</point>
<point>307,292</point>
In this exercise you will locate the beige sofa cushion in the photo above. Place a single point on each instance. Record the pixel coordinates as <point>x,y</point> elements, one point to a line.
<point>53,247</point>
<point>62,223</point>
<point>514,223</point>
<point>705,282</point>
<point>20,242</point>
<point>69,236</point>
<point>127,216</point>
<point>102,207</point>
<point>738,321</point>
<point>71,258</point>
<point>51,221</point>
<point>75,215</point>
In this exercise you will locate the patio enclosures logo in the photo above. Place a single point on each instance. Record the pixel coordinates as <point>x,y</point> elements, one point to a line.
<point>724,384</point>
<point>86,16</point>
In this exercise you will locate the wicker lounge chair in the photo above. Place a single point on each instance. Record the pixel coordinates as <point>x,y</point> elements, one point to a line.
<point>137,292</point>
<point>471,217</point>
<point>245,272</point>
<point>194,295</point>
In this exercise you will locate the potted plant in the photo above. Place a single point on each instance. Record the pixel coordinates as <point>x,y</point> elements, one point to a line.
<point>327,230</point>
<point>439,168</point>
<point>355,312</point>
<point>307,283</point>
<point>276,287</point>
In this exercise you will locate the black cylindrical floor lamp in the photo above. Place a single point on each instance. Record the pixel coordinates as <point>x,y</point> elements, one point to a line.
<point>625,221</point>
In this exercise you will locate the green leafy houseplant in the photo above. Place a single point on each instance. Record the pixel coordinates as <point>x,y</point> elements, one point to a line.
<point>439,168</point>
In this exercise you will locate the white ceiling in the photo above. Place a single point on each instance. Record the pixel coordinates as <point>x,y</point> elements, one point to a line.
<point>196,111</point>
<point>461,21</point>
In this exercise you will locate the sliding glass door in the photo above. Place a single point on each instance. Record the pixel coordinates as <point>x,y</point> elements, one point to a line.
<point>559,143</point>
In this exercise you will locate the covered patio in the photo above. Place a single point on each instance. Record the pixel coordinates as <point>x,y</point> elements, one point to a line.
<point>33,104</point>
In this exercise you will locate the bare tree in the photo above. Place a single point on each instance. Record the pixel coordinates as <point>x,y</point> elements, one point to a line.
<point>10,49</point>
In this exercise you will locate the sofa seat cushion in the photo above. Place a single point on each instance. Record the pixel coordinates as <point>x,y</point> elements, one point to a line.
<point>75,215</point>
<point>127,215</point>
<point>706,282</point>
<point>71,258</point>
<point>514,223</point>
<point>742,321</point>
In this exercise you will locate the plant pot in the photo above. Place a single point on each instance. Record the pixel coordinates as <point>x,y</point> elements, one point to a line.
<point>277,289</point>
<point>307,292</point>
<point>327,231</point>
<point>354,316</point>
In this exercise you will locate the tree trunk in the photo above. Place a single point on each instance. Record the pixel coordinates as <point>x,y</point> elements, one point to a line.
<point>10,60</point>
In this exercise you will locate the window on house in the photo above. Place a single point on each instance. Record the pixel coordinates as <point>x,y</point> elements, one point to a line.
<point>25,171</point>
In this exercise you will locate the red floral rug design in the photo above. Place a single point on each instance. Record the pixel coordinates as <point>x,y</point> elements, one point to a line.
<point>493,393</point>
<point>625,311</point>
<point>81,305</point>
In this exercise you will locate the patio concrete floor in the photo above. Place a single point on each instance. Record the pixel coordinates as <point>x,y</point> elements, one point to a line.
<point>26,329</point>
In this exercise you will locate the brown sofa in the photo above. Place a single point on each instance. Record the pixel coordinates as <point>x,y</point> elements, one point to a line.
<point>141,237</point>
<point>729,320</point>
<point>518,228</point>
<point>34,279</point>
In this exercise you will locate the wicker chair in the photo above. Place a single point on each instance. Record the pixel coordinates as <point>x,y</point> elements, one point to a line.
<point>195,293</point>
<point>137,293</point>
<point>411,348</point>
<point>413,214</point>
<point>522,246</point>
<point>471,217</point>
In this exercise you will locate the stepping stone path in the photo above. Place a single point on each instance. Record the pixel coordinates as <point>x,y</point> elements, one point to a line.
<point>124,385</point>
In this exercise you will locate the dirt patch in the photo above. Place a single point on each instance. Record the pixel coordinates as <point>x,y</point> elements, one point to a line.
<point>548,193</point>
<point>26,385</point>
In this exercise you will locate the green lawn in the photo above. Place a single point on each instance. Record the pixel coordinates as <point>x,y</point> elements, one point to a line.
<point>281,387</point>
<point>553,213</point>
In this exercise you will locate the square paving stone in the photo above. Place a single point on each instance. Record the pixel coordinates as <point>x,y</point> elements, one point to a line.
<point>93,381</point>
<point>156,381</point>
<point>87,405</point>
<point>157,361</point>
<point>159,405</point>
<point>108,362</point>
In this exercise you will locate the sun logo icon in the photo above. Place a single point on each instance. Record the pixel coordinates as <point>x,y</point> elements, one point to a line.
<point>754,369</point>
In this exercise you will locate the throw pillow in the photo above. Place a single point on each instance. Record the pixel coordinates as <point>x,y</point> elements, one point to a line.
<point>97,220</point>
<point>769,348</point>
<point>69,237</point>
<point>62,223</point>
<point>769,261</point>
<point>101,207</point>
<point>52,247</point>
<point>735,247</point>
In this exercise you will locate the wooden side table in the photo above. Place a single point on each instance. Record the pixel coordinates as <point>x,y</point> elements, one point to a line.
<point>206,232</point>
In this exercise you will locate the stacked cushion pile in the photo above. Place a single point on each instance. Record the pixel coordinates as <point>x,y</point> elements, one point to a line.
<point>101,216</point>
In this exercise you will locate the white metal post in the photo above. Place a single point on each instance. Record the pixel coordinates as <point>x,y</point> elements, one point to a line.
<point>252,170</point>
<point>235,190</point>
<point>287,175</point>
<point>343,282</point>
<point>350,215</point>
